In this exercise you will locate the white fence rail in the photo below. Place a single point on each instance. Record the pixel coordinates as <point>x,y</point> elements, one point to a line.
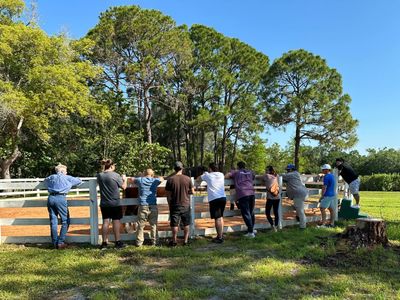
<point>14,192</point>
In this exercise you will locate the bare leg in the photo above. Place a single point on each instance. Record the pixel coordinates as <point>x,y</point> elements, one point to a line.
<point>323,215</point>
<point>219,226</point>
<point>116,228</point>
<point>186,233</point>
<point>357,198</point>
<point>104,230</point>
<point>174,233</point>
<point>332,213</point>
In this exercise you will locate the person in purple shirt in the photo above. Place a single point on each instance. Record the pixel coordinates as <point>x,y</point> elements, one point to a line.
<point>245,196</point>
<point>58,186</point>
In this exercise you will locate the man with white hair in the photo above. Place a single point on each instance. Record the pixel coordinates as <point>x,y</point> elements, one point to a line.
<point>58,186</point>
<point>328,197</point>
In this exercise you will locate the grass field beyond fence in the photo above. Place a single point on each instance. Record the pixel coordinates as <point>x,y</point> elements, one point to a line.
<point>286,265</point>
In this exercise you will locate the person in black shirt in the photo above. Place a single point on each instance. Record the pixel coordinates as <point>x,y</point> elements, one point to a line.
<point>351,178</point>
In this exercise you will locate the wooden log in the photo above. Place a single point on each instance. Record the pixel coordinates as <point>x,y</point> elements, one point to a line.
<point>367,232</point>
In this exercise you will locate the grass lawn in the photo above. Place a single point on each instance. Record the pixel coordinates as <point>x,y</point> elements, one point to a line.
<point>290,264</point>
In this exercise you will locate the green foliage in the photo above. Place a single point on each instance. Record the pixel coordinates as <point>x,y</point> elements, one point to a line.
<point>380,182</point>
<point>10,9</point>
<point>301,89</point>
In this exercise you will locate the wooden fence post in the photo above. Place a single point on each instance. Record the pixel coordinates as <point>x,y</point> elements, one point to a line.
<point>192,212</point>
<point>280,213</point>
<point>94,217</point>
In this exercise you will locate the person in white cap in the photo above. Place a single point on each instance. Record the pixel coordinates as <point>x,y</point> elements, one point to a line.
<point>328,198</point>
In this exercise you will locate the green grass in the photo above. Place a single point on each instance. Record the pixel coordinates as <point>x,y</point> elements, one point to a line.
<point>286,265</point>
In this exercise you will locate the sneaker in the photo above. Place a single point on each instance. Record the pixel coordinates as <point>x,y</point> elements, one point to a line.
<point>250,235</point>
<point>274,228</point>
<point>172,244</point>
<point>119,245</point>
<point>217,240</point>
<point>103,246</point>
<point>255,231</point>
<point>356,206</point>
<point>322,226</point>
<point>62,246</point>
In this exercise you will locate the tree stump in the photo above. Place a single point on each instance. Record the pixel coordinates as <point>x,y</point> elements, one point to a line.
<point>367,232</point>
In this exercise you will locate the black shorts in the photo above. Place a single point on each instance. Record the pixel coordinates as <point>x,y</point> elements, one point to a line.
<point>180,214</point>
<point>111,212</point>
<point>217,207</point>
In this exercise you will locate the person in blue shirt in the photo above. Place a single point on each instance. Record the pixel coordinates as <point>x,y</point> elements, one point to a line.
<point>328,198</point>
<point>58,186</point>
<point>148,210</point>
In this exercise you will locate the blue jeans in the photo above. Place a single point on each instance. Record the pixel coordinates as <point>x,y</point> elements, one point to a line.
<point>57,206</point>
<point>247,204</point>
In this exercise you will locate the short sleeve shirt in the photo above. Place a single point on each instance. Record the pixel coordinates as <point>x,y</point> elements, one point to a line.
<point>180,186</point>
<point>329,182</point>
<point>147,190</point>
<point>269,179</point>
<point>109,183</point>
<point>215,185</point>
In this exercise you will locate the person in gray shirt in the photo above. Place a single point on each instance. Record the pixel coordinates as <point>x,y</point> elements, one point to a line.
<point>110,183</point>
<point>296,190</point>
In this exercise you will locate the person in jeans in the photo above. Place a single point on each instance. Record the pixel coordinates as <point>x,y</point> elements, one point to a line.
<point>110,183</point>
<point>245,195</point>
<point>351,178</point>
<point>178,188</point>
<point>58,186</point>
<point>217,199</point>
<point>296,191</point>
<point>272,185</point>
<point>328,197</point>
<point>148,210</point>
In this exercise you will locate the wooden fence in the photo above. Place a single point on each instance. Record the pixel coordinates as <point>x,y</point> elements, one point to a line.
<point>32,193</point>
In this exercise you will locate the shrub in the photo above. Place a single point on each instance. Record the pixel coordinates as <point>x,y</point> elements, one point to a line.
<point>380,182</point>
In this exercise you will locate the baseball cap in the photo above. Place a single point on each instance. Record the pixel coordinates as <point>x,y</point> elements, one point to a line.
<point>178,165</point>
<point>326,167</point>
<point>290,167</point>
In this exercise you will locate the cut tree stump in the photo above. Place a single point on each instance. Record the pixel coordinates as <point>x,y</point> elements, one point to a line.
<point>366,232</point>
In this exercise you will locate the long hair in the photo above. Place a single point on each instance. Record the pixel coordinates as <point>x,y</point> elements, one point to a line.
<point>106,164</point>
<point>271,170</point>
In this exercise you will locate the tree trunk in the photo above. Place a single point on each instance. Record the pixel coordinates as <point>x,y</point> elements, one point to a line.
<point>147,116</point>
<point>234,151</point>
<point>202,137</point>
<point>6,163</point>
<point>367,232</point>
<point>223,144</point>
<point>297,147</point>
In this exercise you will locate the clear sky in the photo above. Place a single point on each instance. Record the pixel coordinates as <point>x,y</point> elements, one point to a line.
<point>360,38</point>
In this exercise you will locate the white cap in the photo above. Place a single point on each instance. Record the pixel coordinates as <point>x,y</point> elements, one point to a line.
<point>326,167</point>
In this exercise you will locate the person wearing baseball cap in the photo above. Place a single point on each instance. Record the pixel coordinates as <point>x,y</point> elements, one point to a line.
<point>328,198</point>
<point>296,190</point>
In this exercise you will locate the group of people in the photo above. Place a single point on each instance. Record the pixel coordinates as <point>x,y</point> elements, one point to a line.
<point>178,189</point>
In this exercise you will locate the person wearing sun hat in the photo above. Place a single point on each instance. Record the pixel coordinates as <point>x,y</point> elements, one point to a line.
<point>328,197</point>
<point>296,190</point>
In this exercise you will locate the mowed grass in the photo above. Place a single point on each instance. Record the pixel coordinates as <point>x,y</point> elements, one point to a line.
<point>290,264</point>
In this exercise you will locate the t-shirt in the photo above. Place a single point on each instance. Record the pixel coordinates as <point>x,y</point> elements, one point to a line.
<point>243,180</point>
<point>180,187</point>
<point>109,183</point>
<point>215,185</point>
<point>294,187</point>
<point>269,179</point>
<point>329,182</point>
<point>147,190</point>
<point>347,172</point>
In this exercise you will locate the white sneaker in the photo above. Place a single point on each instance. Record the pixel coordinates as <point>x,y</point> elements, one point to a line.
<point>255,231</point>
<point>250,235</point>
<point>274,229</point>
<point>356,206</point>
<point>322,226</point>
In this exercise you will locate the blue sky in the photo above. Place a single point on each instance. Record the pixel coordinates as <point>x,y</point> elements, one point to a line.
<point>360,38</point>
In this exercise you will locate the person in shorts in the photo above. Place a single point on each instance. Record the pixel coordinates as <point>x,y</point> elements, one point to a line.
<point>110,184</point>
<point>328,197</point>
<point>217,199</point>
<point>351,178</point>
<point>148,210</point>
<point>178,188</point>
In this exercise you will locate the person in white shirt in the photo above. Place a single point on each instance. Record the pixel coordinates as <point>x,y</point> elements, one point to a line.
<point>217,198</point>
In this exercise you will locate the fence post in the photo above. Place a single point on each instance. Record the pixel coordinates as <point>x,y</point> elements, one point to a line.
<point>192,212</point>
<point>336,189</point>
<point>94,217</point>
<point>280,213</point>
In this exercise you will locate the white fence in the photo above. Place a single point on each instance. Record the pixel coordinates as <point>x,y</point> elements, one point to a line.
<point>29,193</point>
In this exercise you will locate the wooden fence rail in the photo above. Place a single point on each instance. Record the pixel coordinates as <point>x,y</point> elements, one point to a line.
<point>11,189</point>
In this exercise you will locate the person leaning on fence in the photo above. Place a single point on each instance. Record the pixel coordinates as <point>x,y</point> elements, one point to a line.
<point>58,186</point>
<point>328,198</point>
<point>110,183</point>
<point>271,183</point>
<point>296,191</point>
<point>245,195</point>
<point>351,178</point>
<point>178,188</point>
<point>217,198</point>
<point>148,210</point>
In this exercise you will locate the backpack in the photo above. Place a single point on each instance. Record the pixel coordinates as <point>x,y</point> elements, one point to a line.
<point>274,190</point>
